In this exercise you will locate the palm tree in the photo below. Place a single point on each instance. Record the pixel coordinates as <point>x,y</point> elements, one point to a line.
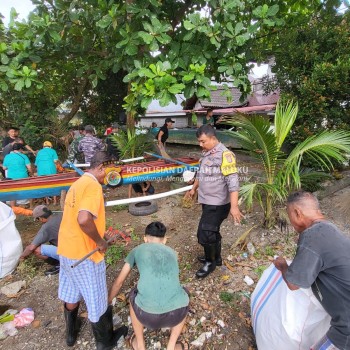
<point>282,172</point>
<point>132,145</point>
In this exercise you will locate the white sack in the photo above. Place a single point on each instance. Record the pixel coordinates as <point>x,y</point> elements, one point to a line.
<point>10,241</point>
<point>285,319</point>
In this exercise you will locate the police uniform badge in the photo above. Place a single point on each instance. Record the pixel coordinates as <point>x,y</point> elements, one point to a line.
<point>228,164</point>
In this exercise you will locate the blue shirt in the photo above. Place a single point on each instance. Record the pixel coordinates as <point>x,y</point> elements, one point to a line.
<point>45,161</point>
<point>16,164</point>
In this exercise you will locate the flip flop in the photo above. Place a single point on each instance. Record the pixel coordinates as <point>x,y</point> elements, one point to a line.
<point>184,345</point>
<point>131,340</point>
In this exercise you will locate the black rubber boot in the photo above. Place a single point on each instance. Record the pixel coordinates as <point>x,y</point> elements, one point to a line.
<point>218,259</point>
<point>106,338</point>
<point>72,325</point>
<point>52,261</point>
<point>209,265</point>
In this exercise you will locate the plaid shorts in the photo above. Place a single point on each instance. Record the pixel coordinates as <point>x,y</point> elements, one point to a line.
<point>324,344</point>
<point>87,281</point>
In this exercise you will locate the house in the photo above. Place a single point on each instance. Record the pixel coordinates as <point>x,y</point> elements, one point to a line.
<point>181,112</point>
<point>156,113</point>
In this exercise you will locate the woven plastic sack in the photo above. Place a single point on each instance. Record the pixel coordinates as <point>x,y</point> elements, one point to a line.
<point>10,241</point>
<point>285,319</point>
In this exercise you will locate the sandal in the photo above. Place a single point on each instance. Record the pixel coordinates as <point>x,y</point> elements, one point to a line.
<point>131,341</point>
<point>184,345</point>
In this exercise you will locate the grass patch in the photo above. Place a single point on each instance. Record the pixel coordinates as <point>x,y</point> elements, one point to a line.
<point>259,270</point>
<point>121,207</point>
<point>114,254</point>
<point>28,268</point>
<point>226,297</point>
<point>269,251</point>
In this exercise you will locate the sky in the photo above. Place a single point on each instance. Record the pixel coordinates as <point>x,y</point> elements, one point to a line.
<point>23,7</point>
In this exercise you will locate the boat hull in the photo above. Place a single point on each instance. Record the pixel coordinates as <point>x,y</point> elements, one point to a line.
<point>47,186</point>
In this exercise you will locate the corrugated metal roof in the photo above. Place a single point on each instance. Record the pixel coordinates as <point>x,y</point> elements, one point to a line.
<point>217,100</point>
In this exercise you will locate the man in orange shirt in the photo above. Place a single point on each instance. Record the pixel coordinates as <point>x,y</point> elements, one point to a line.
<point>81,231</point>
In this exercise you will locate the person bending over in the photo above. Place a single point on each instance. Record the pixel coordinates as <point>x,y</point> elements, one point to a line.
<point>47,233</point>
<point>322,262</point>
<point>159,300</point>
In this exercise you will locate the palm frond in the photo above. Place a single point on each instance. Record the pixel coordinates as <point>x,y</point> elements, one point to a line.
<point>285,117</point>
<point>322,148</point>
<point>131,145</point>
<point>311,180</point>
<point>257,191</point>
<point>256,136</point>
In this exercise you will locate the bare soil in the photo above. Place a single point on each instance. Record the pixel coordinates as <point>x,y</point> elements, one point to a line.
<point>222,296</point>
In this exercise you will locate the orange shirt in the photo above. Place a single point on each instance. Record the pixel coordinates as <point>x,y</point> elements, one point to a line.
<point>84,194</point>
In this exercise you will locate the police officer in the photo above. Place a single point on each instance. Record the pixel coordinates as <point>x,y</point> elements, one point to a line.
<point>217,184</point>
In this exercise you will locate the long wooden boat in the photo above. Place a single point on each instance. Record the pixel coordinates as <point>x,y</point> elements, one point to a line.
<point>46,186</point>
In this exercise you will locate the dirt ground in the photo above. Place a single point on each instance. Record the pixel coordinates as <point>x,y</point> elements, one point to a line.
<point>220,304</point>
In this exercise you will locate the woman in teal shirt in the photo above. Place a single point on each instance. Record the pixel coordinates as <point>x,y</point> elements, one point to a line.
<point>46,160</point>
<point>17,164</point>
<point>159,301</point>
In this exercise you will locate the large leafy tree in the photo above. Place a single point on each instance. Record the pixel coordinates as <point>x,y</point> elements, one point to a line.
<point>312,66</point>
<point>160,48</point>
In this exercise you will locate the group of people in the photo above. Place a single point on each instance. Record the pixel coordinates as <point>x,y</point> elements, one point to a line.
<point>85,144</point>
<point>322,259</point>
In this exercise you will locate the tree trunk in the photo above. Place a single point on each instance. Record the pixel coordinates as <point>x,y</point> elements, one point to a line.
<point>82,87</point>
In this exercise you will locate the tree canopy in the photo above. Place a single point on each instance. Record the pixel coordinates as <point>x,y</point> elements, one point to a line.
<point>67,49</point>
<point>312,67</point>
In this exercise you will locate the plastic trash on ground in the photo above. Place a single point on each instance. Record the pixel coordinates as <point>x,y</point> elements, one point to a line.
<point>24,317</point>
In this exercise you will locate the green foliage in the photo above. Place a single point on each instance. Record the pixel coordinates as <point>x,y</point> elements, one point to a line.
<point>118,208</point>
<point>226,297</point>
<point>27,268</point>
<point>66,49</point>
<point>282,172</point>
<point>269,251</point>
<point>260,270</point>
<point>114,254</point>
<point>131,144</point>
<point>312,66</point>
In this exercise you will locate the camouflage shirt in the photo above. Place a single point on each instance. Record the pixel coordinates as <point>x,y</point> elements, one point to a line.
<point>73,152</point>
<point>217,176</point>
<point>89,145</point>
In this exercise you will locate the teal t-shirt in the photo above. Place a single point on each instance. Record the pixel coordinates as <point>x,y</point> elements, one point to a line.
<point>16,164</point>
<point>208,121</point>
<point>45,161</point>
<point>159,288</point>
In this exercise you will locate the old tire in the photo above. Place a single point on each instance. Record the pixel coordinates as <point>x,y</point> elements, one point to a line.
<point>143,208</point>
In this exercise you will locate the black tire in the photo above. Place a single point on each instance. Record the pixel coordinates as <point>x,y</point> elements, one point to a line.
<point>143,208</point>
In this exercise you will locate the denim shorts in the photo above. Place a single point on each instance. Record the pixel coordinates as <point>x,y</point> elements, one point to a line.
<point>155,321</point>
<point>49,250</point>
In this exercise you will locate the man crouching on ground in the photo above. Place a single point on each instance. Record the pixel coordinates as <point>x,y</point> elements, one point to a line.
<point>82,230</point>
<point>159,300</point>
<point>322,262</point>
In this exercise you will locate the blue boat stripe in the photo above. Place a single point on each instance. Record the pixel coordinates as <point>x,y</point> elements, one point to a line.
<point>263,304</point>
<point>272,273</point>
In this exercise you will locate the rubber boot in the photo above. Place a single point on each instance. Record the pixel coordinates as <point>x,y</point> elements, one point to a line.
<point>52,261</point>
<point>218,259</point>
<point>209,265</point>
<point>105,337</point>
<point>72,325</point>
